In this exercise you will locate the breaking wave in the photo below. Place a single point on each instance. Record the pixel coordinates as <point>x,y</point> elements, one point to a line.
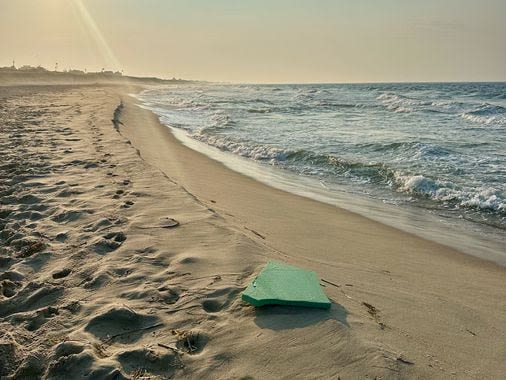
<point>486,114</point>
<point>485,199</point>
<point>404,104</point>
<point>255,152</point>
<point>445,192</point>
<point>437,146</point>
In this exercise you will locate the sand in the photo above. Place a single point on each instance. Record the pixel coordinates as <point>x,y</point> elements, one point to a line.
<point>94,284</point>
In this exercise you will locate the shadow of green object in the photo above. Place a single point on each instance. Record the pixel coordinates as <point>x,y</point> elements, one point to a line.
<point>283,284</point>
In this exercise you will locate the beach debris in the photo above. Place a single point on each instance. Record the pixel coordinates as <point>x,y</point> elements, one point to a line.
<point>403,360</point>
<point>282,284</point>
<point>179,363</point>
<point>374,312</point>
<point>330,283</point>
<point>256,233</point>
<point>190,342</point>
<point>471,332</point>
<point>112,337</point>
<point>168,222</point>
<point>170,347</point>
<point>139,374</point>
<point>370,309</point>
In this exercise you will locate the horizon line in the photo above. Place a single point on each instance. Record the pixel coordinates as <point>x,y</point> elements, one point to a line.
<point>493,81</point>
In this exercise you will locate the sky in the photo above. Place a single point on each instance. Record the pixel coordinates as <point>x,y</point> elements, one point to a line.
<point>262,41</point>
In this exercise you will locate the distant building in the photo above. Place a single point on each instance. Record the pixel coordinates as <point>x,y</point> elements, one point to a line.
<point>110,72</point>
<point>38,69</point>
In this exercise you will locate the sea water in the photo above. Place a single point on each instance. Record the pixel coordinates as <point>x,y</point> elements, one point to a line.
<point>428,158</point>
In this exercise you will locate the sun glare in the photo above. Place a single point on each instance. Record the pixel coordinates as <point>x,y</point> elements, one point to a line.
<point>97,36</point>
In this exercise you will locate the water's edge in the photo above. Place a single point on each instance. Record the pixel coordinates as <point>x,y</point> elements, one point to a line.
<point>411,220</point>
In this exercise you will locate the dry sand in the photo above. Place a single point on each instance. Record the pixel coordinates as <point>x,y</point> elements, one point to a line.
<point>93,287</point>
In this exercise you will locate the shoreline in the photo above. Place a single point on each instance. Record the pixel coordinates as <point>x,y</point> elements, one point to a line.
<point>433,206</point>
<point>420,223</point>
<point>177,140</point>
<point>92,286</point>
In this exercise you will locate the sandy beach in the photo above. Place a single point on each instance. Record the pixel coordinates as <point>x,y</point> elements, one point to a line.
<point>93,286</point>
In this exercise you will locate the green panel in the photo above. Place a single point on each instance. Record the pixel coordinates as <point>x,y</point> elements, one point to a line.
<point>283,284</point>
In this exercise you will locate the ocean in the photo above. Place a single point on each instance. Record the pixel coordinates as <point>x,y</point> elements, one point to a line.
<point>429,158</point>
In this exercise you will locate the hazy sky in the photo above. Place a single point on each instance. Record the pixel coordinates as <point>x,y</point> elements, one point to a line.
<point>262,40</point>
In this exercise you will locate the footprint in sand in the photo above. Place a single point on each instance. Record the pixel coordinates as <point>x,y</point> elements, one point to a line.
<point>127,204</point>
<point>33,296</point>
<point>148,363</point>
<point>67,216</point>
<point>109,242</point>
<point>75,361</point>
<point>162,295</point>
<point>32,367</point>
<point>62,273</point>
<point>118,194</point>
<point>100,224</point>
<point>12,276</point>
<point>219,299</point>
<point>91,165</point>
<point>27,246</point>
<point>212,306</point>
<point>8,288</point>
<point>98,281</point>
<point>8,359</point>
<point>62,236</point>
<point>33,321</point>
<point>121,325</point>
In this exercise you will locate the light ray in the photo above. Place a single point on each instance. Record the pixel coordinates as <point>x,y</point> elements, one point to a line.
<point>110,60</point>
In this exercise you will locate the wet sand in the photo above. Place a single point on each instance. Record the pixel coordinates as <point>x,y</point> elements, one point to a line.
<point>93,286</point>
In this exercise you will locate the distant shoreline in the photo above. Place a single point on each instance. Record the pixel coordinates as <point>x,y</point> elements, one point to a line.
<point>34,77</point>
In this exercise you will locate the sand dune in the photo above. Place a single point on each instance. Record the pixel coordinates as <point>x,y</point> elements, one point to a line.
<point>94,284</point>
